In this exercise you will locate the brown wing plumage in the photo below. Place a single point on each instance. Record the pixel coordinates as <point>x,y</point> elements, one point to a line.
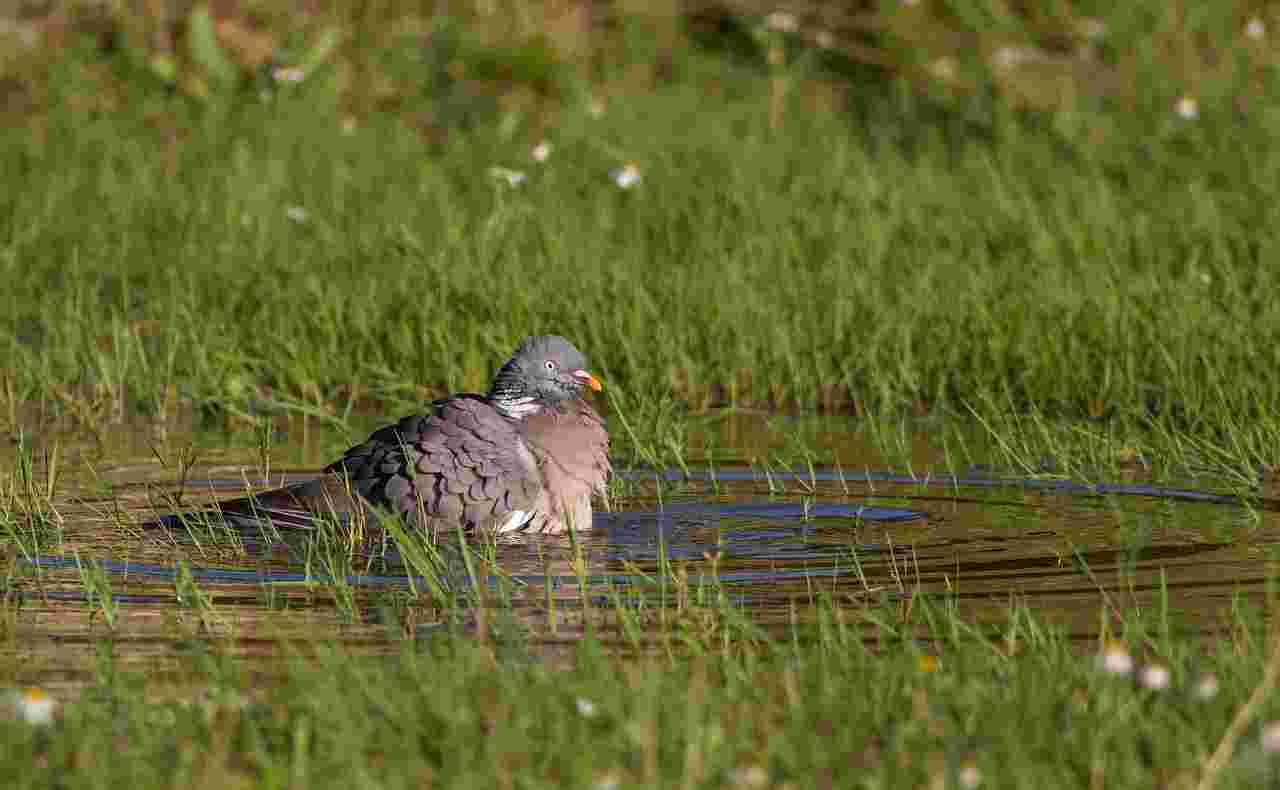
<point>463,463</point>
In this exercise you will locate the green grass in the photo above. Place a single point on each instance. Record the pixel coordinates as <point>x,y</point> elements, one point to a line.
<point>852,701</point>
<point>889,253</point>
<point>1048,254</point>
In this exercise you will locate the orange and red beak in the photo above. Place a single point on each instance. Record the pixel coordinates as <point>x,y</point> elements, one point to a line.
<point>588,379</point>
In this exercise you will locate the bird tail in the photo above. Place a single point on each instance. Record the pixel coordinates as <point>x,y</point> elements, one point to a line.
<point>289,508</point>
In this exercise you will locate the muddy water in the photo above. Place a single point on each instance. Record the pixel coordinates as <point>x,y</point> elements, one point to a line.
<point>776,541</point>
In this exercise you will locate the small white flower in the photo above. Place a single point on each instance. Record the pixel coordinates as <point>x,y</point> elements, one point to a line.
<point>297,214</point>
<point>1256,29</point>
<point>626,176</point>
<point>1271,737</point>
<point>825,39</point>
<point>1187,108</point>
<point>291,74</point>
<point>541,152</point>
<point>1207,687</point>
<point>596,109</point>
<point>34,706</point>
<point>513,178</point>
<point>585,707</point>
<point>969,777</point>
<point>348,126</point>
<point>1115,659</point>
<point>1155,677</point>
<point>782,22</point>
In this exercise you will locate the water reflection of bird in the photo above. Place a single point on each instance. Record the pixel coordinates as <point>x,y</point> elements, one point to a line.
<point>527,456</point>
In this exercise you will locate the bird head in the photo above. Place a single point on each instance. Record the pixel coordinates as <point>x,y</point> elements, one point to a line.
<point>545,370</point>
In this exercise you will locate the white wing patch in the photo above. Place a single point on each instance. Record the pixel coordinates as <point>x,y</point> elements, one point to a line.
<point>515,520</point>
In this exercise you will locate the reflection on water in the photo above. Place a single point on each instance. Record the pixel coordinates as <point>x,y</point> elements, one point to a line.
<point>774,542</point>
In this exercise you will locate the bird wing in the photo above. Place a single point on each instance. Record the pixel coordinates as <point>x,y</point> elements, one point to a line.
<point>462,463</point>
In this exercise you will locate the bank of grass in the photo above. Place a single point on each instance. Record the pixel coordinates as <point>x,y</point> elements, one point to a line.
<point>802,237</point>
<point>901,696</point>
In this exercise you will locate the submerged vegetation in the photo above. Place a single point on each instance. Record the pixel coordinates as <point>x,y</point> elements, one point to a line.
<point>992,241</point>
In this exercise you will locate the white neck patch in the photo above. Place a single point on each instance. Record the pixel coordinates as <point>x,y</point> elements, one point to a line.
<point>517,408</point>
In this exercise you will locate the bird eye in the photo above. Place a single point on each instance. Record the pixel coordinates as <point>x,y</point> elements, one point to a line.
<point>551,365</point>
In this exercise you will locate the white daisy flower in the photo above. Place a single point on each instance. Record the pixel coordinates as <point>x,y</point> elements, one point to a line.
<point>586,707</point>
<point>1256,29</point>
<point>1155,677</point>
<point>626,176</point>
<point>1187,108</point>
<point>541,152</point>
<point>1115,659</point>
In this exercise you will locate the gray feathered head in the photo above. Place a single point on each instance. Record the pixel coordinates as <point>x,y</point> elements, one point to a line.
<point>544,370</point>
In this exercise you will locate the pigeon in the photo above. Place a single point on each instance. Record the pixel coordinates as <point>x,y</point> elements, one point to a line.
<point>525,457</point>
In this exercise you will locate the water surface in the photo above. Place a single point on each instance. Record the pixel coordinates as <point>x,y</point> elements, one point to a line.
<point>771,535</point>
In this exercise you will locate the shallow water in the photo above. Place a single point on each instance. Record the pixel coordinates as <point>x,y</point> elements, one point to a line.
<point>775,540</point>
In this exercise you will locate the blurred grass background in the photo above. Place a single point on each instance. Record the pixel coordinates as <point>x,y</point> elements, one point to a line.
<point>869,207</point>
